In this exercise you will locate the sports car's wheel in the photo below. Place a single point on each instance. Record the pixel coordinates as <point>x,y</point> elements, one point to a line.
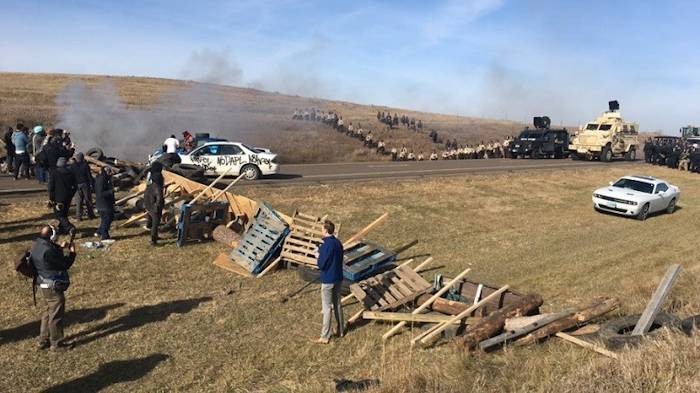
<point>250,172</point>
<point>607,154</point>
<point>642,215</point>
<point>671,206</point>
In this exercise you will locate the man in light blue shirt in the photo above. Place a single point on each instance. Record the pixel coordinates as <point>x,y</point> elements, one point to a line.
<point>20,140</point>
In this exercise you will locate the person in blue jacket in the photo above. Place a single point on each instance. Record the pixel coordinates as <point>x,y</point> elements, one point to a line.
<point>330,264</point>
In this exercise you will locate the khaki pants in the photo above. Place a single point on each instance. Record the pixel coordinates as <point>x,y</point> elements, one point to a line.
<point>330,301</point>
<point>683,165</point>
<point>54,307</point>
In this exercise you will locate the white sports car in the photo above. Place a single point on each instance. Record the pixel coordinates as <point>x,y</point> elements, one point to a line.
<point>637,196</point>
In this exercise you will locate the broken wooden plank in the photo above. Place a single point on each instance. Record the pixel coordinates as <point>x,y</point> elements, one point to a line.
<point>519,322</point>
<point>427,304</point>
<point>359,235</point>
<point>493,324</point>
<point>270,267</point>
<point>211,185</point>
<point>654,305</point>
<point>408,317</point>
<point>228,187</point>
<point>580,316</point>
<point>586,344</point>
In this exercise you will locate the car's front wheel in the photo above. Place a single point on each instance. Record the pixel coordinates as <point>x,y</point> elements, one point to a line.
<point>250,172</point>
<point>671,206</point>
<point>643,213</point>
<point>606,154</point>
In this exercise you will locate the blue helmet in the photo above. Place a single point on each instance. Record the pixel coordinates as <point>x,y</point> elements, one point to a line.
<point>38,129</point>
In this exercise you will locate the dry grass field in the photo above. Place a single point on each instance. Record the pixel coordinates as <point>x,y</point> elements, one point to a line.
<point>165,319</point>
<point>130,116</point>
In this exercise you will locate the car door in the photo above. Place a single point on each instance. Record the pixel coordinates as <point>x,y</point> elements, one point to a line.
<point>230,156</point>
<point>206,157</point>
<point>661,198</point>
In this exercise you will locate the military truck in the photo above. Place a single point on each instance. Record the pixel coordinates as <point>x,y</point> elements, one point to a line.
<point>606,137</point>
<point>541,142</point>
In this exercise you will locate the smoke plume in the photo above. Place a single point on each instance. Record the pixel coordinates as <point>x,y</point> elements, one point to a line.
<point>97,116</point>
<point>211,66</point>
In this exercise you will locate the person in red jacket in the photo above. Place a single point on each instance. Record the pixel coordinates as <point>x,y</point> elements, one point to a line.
<point>330,264</point>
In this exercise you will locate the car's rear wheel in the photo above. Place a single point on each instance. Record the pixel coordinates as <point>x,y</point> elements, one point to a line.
<point>671,206</point>
<point>642,215</point>
<point>631,155</point>
<point>250,172</point>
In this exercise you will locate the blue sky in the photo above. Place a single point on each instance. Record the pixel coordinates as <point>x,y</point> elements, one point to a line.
<point>496,58</point>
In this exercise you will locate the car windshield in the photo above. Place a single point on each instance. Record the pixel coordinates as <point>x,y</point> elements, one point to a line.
<point>605,127</point>
<point>636,185</point>
<point>592,126</point>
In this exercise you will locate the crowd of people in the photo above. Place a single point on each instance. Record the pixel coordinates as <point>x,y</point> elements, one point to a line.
<point>336,121</point>
<point>31,154</point>
<point>50,157</point>
<point>674,153</point>
<point>395,121</point>
<point>452,149</point>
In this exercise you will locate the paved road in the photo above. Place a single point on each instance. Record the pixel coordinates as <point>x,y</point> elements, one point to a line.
<point>356,171</point>
<point>351,171</point>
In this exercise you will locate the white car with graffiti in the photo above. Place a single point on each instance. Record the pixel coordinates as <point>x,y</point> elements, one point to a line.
<point>217,157</point>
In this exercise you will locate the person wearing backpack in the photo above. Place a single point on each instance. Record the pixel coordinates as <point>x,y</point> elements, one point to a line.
<point>51,265</point>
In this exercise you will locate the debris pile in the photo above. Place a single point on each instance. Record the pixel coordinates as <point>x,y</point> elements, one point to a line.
<point>474,316</point>
<point>126,174</point>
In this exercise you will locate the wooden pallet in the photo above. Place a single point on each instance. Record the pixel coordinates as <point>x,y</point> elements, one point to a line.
<point>364,259</point>
<point>304,238</point>
<point>390,290</point>
<point>261,241</point>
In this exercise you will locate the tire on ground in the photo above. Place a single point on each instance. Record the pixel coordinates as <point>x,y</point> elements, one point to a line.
<point>606,154</point>
<point>691,325</point>
<point>95,153</point>
<point>615,333</point>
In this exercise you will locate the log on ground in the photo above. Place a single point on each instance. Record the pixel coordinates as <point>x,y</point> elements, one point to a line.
<point>493,324</point>
<point>580,317</point>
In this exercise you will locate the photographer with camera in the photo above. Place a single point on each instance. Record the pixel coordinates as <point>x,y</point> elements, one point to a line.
<point>51,265</point>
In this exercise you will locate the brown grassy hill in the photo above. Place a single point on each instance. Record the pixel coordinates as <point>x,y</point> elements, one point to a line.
<point>129,116</point>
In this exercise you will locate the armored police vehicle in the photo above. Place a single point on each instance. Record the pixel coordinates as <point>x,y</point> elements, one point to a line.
<point>541,142</point>
<point>606,137</point>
